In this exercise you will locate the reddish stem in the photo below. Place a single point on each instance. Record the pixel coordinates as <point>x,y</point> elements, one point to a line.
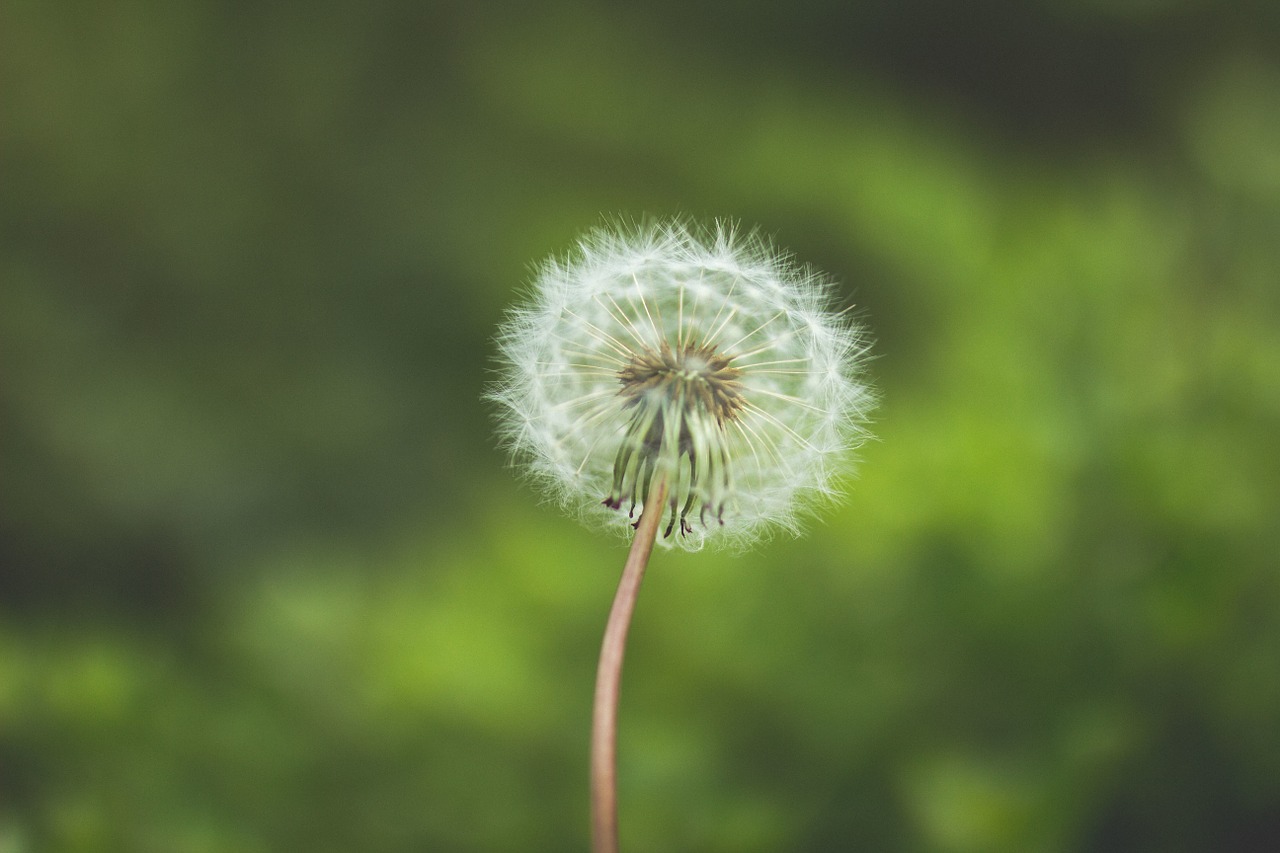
<point>604,723</point>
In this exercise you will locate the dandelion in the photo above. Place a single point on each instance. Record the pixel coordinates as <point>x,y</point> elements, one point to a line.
<point>704,359</point>
<point>696,377</point>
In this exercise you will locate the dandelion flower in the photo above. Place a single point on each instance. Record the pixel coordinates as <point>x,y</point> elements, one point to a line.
<point>699,376</point>
<point>702,357</point>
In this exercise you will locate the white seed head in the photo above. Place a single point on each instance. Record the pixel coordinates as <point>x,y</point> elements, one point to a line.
<point>701,356</point>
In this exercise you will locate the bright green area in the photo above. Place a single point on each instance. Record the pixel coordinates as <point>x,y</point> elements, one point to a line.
<point>266,584</point>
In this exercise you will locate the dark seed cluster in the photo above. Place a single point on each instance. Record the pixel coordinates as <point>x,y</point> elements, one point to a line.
<point>681,399</point>
<point>707,377</point>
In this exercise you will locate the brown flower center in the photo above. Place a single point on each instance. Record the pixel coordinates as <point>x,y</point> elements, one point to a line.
<point>681,401</point>
<point>705,376</point>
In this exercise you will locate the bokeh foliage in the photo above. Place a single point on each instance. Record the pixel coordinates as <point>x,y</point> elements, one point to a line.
<point>267,585</point>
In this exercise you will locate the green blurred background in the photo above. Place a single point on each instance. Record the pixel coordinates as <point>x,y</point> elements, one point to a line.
<point>267,585</point>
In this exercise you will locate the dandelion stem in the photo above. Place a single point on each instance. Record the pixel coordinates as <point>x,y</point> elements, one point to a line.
<point>604,724</point>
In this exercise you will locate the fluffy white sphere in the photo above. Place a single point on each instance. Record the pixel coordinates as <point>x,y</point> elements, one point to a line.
<point>703,357</point>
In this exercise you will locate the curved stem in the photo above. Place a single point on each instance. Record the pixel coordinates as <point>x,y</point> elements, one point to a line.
<point>604,723</point>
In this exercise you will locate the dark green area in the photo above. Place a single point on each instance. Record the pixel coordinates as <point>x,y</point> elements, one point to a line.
<point>266,585</point>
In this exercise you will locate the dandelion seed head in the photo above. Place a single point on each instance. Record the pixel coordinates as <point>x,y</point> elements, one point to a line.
<point>702,356</point>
